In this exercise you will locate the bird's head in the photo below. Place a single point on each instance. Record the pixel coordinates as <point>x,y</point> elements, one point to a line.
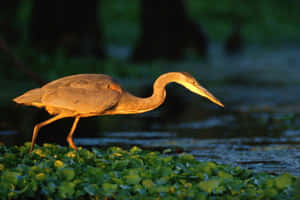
<point>189,82</point>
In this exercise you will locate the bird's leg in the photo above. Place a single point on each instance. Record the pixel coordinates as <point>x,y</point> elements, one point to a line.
<point>70,136</point>
<point>40,125</point>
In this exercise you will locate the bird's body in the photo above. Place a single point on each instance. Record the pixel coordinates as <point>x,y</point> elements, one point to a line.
<point>86,95</point>
<point>75,95</point>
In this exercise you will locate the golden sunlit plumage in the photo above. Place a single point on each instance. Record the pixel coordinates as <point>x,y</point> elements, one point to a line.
<point>86,95</point>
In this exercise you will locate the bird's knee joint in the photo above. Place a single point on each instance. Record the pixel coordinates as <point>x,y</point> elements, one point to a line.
<point>37,126</point>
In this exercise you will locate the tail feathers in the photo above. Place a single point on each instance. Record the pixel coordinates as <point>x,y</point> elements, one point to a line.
<point>32,97</point>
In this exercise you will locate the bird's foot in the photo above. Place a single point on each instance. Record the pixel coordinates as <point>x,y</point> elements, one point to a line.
<point>31,147</point>
<point>71,143</point>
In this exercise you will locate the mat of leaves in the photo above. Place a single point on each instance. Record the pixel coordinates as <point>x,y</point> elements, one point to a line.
<point>55,172</point>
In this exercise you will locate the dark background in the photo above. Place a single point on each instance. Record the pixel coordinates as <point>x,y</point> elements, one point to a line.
<point>245,52</point>
<point>54,38</point>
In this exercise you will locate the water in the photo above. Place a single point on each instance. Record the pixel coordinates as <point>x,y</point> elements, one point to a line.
<point>258,129</point>
<point>262,147</point>
<point>253,142</point>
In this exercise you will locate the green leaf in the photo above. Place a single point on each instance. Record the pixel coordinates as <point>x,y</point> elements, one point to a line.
<point>67,174</point>
<point>94,174</point>
<point>162,189</point>
<point>210,185</point>
<point>109,188</point>
<point>58,164</point>
<point>187,157</point>
<point>224,175</point>
<point>50,188</point>
<point>147,183</point>
<point>2,167</point>
<point>91,189</point>
<point>135,150</point>
<point>40,177</point>
<point>66,190</point>
<point>283,181</point>
<point>269,183</point>
<point>270,192</point>
<point>209,167</point>
<point>165,171</point>
<point>132,177</point>
<point>10,177</point>
<point>120,164</point>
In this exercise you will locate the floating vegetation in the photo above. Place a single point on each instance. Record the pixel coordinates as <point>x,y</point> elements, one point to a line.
<point>55,172</point>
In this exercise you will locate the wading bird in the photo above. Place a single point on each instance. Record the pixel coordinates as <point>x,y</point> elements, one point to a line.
<point>86,95</point>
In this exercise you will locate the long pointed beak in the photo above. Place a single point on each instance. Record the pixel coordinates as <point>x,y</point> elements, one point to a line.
<point>198,89</point>
<point>214,100</point>
<point>203,92</point>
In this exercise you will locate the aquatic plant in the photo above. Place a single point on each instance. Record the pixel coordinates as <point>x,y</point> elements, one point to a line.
<point>55,172</point>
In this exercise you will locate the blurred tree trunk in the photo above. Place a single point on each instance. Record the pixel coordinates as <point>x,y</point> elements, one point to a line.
<point>167,32</point>
<point>9,35</point>
<point>72,25</point>
<point>8,30</point>
<point>234,44</point>
<point>17,64</point>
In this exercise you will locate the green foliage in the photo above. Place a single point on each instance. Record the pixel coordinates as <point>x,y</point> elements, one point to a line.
<point>61,65</point>
<point>265,20</point>
<point>55,172</point>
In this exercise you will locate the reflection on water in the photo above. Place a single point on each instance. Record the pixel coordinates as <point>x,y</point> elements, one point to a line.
<point>208,123</point>
<point>274,155</point>
<point>252,131</point>
<point>260,141</point>
<point>261,148</point>
<point>7,132</point>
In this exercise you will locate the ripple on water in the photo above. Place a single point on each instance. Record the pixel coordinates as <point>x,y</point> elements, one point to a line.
<point>207,123</point>
<point>274,155</point>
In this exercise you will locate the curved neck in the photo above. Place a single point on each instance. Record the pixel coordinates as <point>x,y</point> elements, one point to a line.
<point>132,104</point>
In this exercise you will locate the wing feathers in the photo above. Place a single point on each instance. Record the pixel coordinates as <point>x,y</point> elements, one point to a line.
<point>32,97</point>
<point>82,100</point>
<point>82,94</point>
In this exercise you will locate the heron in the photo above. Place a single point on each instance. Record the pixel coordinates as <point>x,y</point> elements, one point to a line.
<point>87,95</point>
